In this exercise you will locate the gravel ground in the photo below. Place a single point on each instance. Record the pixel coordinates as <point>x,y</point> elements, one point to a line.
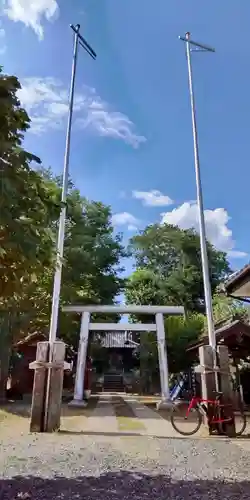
<point>71,466</point>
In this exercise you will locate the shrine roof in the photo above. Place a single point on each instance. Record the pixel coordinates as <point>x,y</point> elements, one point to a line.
<point>238,284</point>
<point>235,335</point>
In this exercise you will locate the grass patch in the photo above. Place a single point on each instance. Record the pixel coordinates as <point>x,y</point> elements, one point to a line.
<point>129,424</point>
<point>150,402</point>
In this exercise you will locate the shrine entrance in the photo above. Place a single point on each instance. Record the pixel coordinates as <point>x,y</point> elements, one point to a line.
<point>157,312</point>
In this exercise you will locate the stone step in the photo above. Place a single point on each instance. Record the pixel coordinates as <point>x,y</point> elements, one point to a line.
<point>113,383</point>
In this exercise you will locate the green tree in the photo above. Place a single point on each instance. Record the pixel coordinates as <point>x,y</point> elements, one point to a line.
<point>90,265</point>
<point>25,204</point>
<point>91,273</point>
<point>226,308</point>
<point>180,333</point>
<point>29,212</point>
<point>26,242</point>
<point>168,268</point>
<point>168,272</point>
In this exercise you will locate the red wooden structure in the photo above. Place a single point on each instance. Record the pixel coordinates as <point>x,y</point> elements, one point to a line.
<point>21,375</point>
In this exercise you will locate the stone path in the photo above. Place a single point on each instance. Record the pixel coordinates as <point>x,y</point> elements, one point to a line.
<point>106,414</point>
<point>103,417</point>
<point>122,414</point>
<point>155,424</point>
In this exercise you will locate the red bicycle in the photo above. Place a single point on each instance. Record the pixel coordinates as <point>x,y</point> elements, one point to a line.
<point>186,418</point>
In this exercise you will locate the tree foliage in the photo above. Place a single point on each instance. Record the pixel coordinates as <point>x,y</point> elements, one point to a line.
<point>180,333</point>
<point>183,331</point>
<point>168,272</point>
<point>29,212</point>
<point>168,268</point>
<point>25,204</point>
<point>226,308</point>
<point>91,272</point>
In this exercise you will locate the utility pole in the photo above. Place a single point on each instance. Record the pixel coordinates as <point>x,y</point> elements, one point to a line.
<point>78,40</point>
<point>198,47</point>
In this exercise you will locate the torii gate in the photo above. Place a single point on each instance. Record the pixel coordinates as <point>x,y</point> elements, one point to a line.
<point>157,326</point>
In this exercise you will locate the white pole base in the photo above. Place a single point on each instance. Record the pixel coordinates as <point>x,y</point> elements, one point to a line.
<point>78,403</point>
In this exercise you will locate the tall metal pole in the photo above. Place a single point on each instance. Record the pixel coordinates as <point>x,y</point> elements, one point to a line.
<point>203,244</point>
<point>78,39</point>
<point>62,220</point>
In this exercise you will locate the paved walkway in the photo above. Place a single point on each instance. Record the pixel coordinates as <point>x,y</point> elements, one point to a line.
<point>120,414</point>
<point>107,414</point>
<point>155,424</point>
<point>103,417</point>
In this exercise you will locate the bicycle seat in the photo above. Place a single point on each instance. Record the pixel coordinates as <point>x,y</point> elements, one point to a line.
<point>218,393</point>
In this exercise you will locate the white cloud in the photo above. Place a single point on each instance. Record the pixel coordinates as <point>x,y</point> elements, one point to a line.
<point>31,12</point>
<point>109,123</point>
<point>125,219</point>
<point>153,198</point>
<point>46,101</point>
<point>131,227</point>
<point>237,254</point>
<point>217,230</point>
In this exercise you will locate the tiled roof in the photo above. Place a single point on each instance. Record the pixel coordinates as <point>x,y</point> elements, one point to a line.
<point>237,275</point>
<point>227,330</point>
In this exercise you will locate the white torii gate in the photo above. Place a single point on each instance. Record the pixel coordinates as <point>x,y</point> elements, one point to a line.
<point>87,326</point>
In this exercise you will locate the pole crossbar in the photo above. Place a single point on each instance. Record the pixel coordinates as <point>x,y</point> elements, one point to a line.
<point>83,42</point>
<point>206,48</point>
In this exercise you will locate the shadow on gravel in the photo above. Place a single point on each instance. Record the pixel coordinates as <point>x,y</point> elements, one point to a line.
<point>120,486</point>
<point>101,433</point>
<point>139,434</point>
<point>23,408</point>
<point>18,409</point>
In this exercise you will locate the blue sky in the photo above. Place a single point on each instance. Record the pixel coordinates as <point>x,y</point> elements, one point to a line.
<point>132,138</point>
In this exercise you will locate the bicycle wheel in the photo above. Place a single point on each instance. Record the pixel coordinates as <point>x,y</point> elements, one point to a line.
<point>240,422</point>
<point>185,423</point>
